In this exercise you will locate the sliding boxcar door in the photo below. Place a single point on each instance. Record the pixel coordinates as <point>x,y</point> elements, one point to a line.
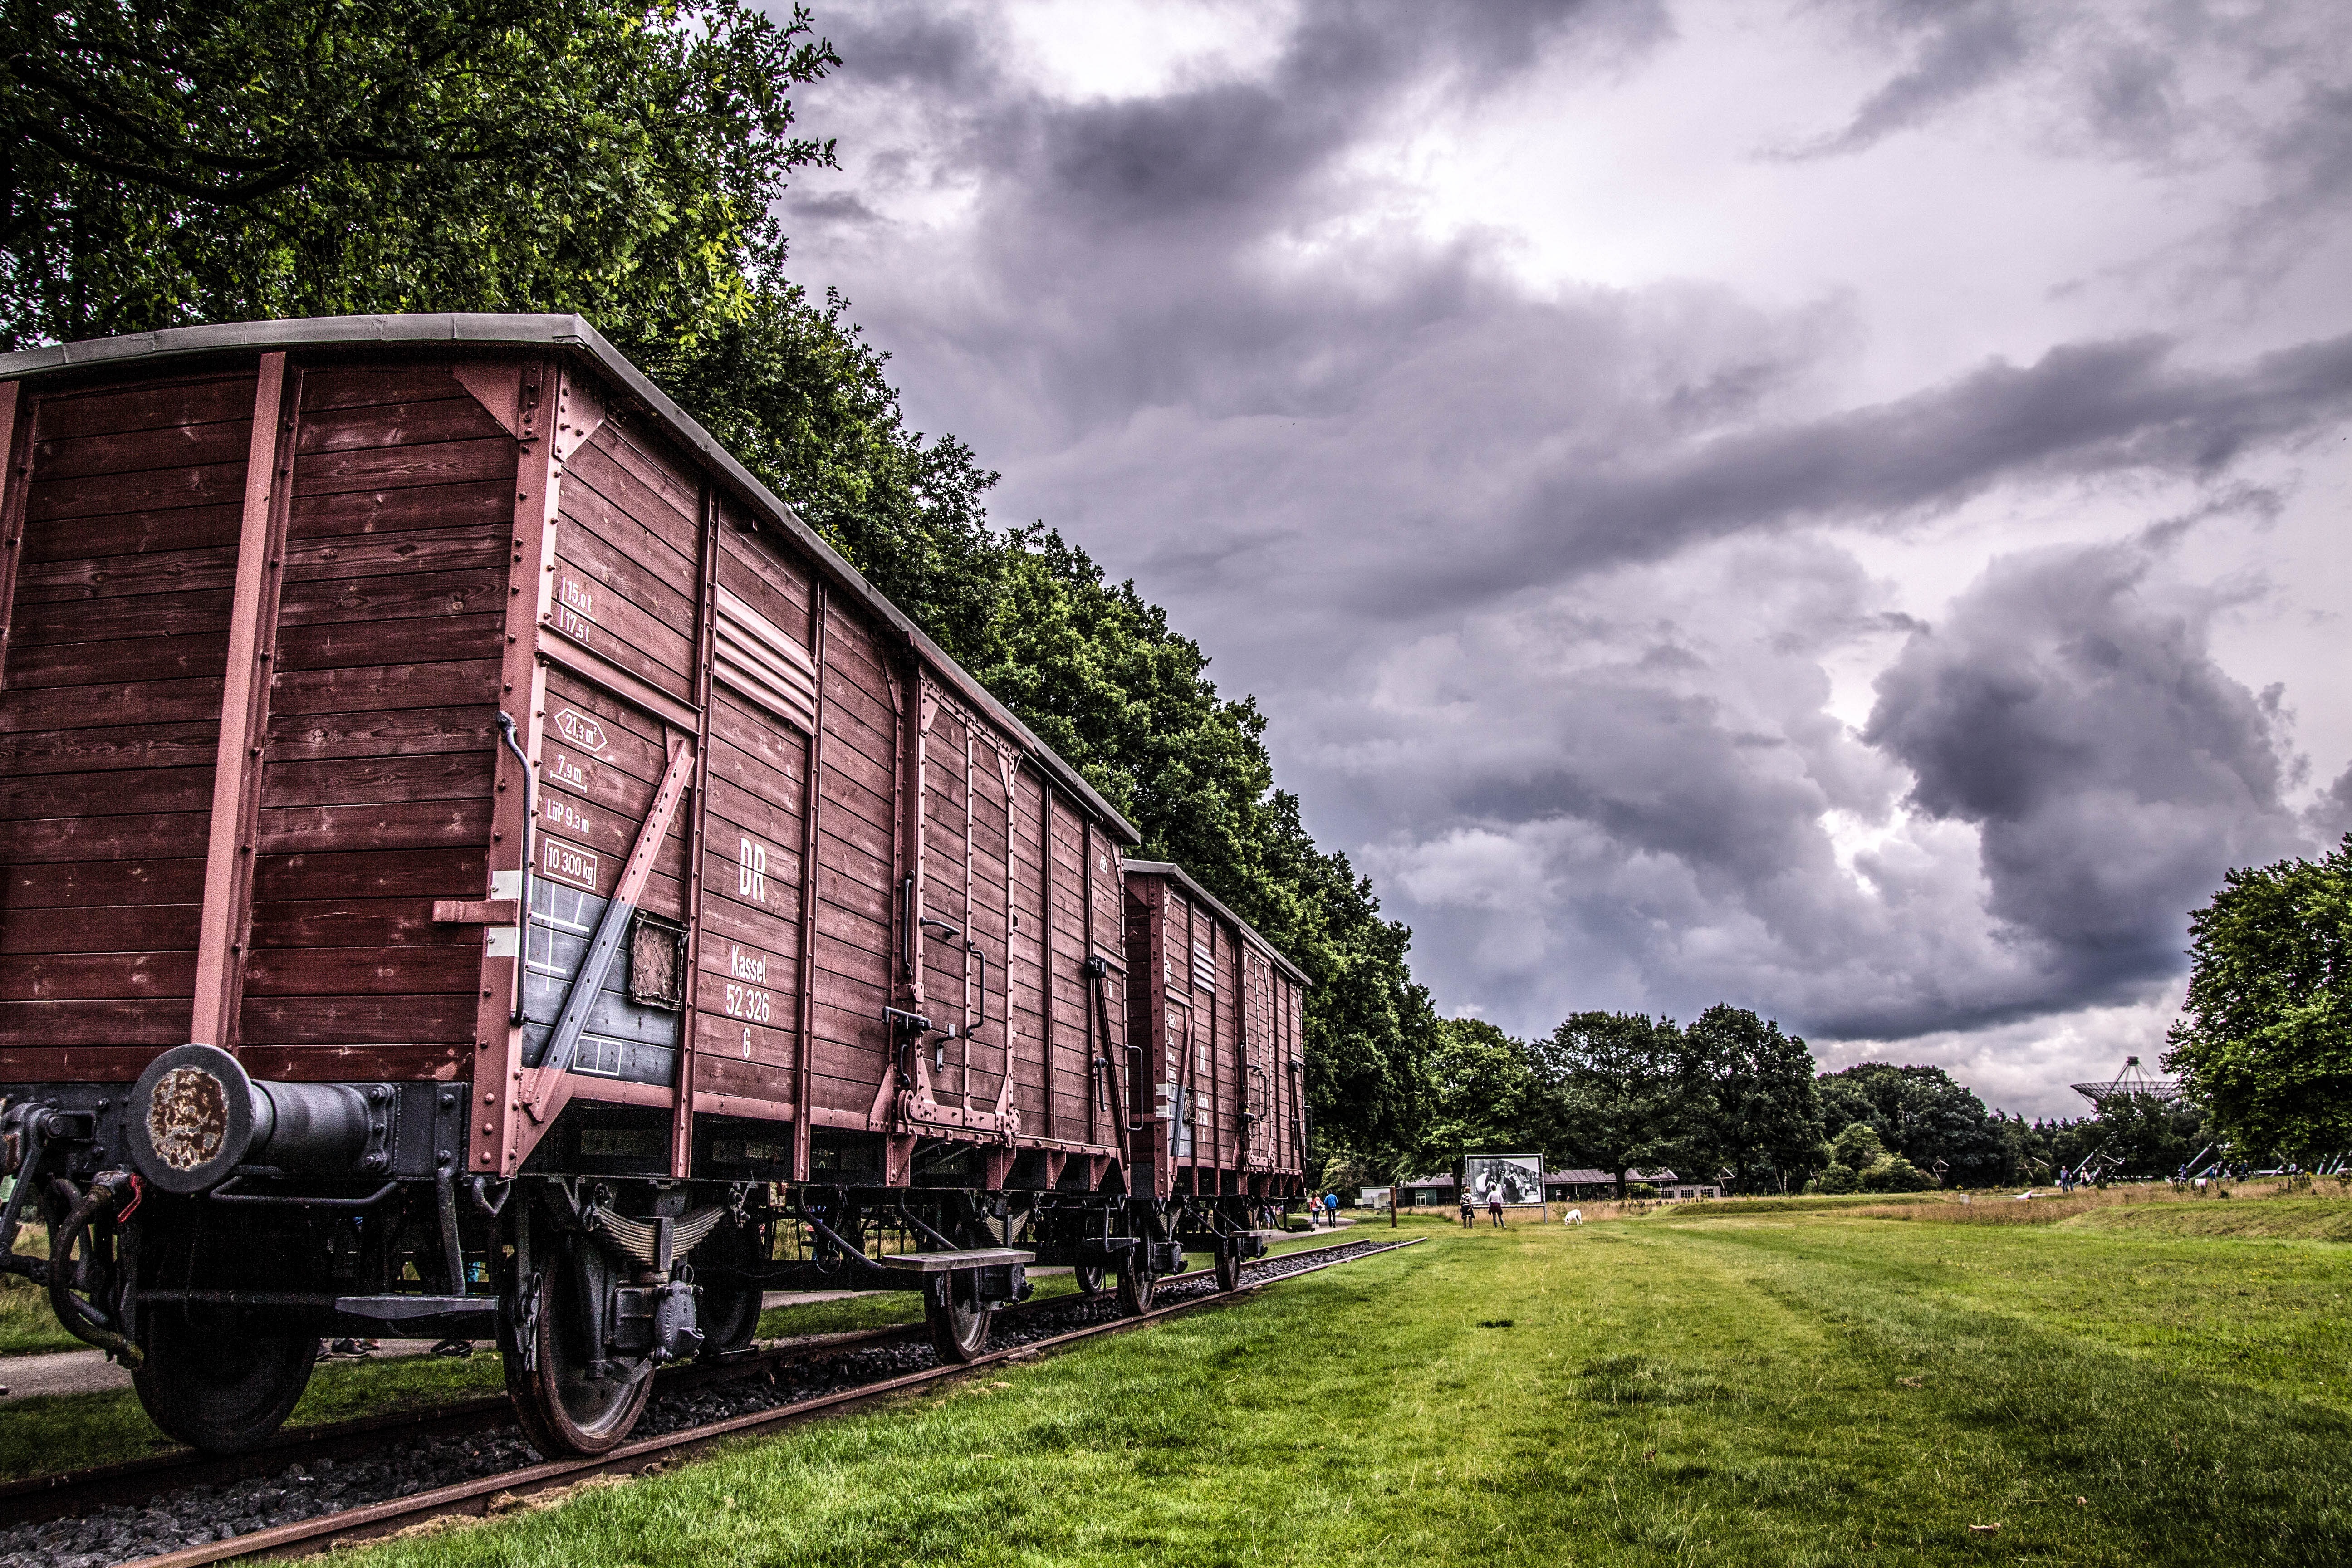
<point>762,721</point>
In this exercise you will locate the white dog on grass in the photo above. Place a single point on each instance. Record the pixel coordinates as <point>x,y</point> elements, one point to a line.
<point>1575,1216</point>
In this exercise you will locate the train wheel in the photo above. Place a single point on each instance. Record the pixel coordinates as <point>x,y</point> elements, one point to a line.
<point>959,1323</point>
<point>1229,1266</point>
<point>1135,1282</point>
<point>217,1386</point>
<point>562,1408</point>
<point>1089,1277</point>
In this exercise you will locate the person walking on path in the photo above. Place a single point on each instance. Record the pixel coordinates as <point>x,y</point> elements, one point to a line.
<point>1331,1210</point>
<point>1494,1208</point>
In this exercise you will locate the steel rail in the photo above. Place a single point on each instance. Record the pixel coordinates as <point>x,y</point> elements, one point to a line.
<point>652,1454</point>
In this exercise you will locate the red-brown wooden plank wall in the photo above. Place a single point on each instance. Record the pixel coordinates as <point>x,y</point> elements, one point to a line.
<point>110,714</point>
<point>1229,1045</point>
<point>376,770</point>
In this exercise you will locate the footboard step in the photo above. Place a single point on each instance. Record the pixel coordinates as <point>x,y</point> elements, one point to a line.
<point>949,1262</point>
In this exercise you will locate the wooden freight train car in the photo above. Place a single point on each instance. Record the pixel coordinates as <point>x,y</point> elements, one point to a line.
<point>477,865</point>
<point>1215,1015</point>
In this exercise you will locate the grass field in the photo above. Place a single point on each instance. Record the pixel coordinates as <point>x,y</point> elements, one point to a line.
<point>27,1327</point>
<point>2118,1386</point>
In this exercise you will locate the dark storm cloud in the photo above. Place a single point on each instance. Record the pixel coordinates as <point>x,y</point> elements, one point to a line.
<point>1633,805</point>
<point>2110,765</point>
<point>913,48</point>
<point>2134,98</point>
<point>2331,818</point>
<point>2116,77</point>
<point>2308,160</point>
<point>2080,768</point>
<point>1221,149</point>
<point>2315,151</point>
<point>2082,410</point>
<point>1226,146</point>
<point>1965,45</point>
<point>1174,162</point>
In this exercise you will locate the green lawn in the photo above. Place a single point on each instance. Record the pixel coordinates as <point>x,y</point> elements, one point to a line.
<point>27,1327</point>
<point>1796,1387</point>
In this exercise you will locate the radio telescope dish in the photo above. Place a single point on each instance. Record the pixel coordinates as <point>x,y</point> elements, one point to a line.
<point>2134,1082</point>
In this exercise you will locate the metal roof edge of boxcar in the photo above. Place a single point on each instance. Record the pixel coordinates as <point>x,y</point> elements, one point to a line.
<point>1257,939</point>
<point>488,329</point>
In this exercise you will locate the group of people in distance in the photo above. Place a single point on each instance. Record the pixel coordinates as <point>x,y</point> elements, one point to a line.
<point>1493,1210</point>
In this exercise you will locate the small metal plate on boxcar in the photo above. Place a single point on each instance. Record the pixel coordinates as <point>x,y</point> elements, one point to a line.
<point>657,962</point>
<point>623,1038</point>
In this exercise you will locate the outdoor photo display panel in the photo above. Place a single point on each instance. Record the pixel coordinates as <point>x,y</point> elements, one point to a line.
<point>1517,1177</point>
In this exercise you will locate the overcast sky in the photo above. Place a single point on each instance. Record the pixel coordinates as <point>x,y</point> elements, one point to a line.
<point>1839,509</point>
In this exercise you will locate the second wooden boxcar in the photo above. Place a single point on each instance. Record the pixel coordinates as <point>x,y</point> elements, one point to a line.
<point>1216,1014</point>
<point>477,865</point>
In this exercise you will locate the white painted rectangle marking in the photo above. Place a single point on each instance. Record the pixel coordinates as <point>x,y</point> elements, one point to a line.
<point>568,863</point>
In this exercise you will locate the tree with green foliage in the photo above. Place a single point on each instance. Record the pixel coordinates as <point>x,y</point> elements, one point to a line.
<point>2265,1043</point>
<point>1922,1114</point>
<point>1854,1149</point>
<point>1749,1102</point>
<point>1483,1095</point>
<point>795,392</point>
<point>173,164</point>
<point>1858,1162</point>
<point>2141,1135</point>
<point>1613,1075</point>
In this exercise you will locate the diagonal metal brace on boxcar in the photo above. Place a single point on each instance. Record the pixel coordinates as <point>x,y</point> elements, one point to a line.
<point>589,982</point>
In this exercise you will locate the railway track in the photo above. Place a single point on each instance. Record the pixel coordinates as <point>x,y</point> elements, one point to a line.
<point>67,1493</point>
<point>111,1515</point>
